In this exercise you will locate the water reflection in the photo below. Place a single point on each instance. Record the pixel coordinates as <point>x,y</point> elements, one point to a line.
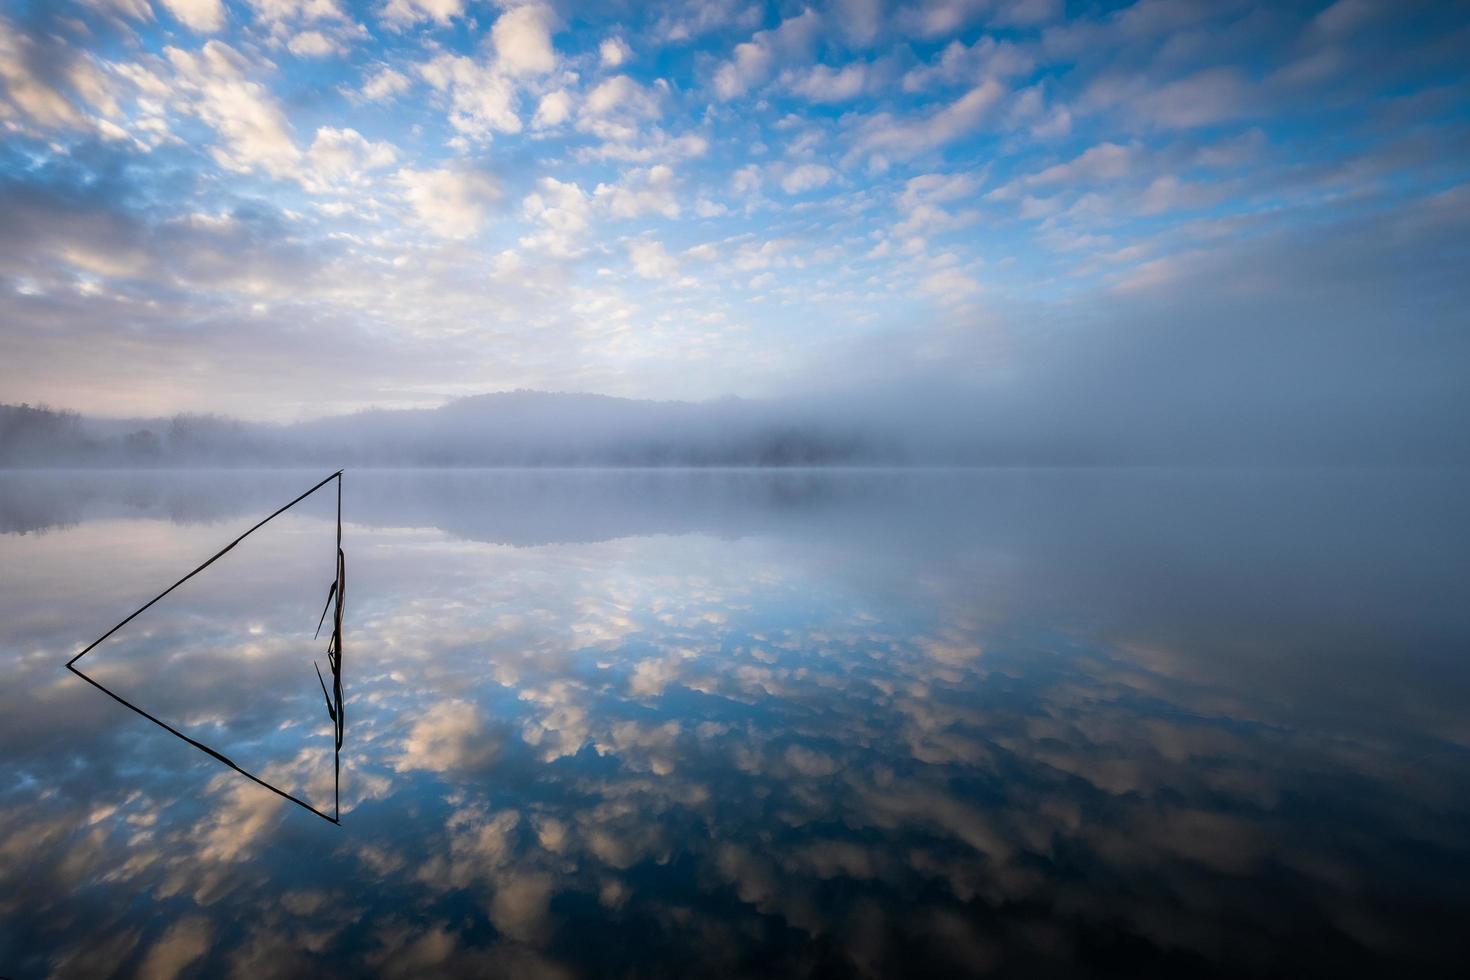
<point>803,723</point>
<point>184,654</point>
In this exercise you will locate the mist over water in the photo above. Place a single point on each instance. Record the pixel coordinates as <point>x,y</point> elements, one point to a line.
<point>795,722</point>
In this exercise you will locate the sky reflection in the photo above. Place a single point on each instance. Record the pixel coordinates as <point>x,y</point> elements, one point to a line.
<point>794,723</point>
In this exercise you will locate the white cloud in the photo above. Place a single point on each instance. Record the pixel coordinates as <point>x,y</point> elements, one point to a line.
<point>385,84</point>
<point>754,61</point>
<point>884,134</point>
<point>564,214</point>
<point>621,94</point>
<point>1201,99</point>
<point>136,9</point>
<point>859,20</point>
<point>279,11</point>
<point>450,203</point>
<point>614,52</point>
<point>959,64</point>
<point>1033,207</point>
<point>1168,192</point>
<point>949,285</point>
<point>746,181</point>
<point>313,44</point>
<point>651,261</point>
<point>401,13</point>
<point>939,17</point>
<point>212,85</point>
<point>522,40</point>
<point>823,84</point>
<point>1029,109</point>
<point>922,199</point>
<point>206,16</point>
<point>694,18</point>
<point>340,157</point>
<point>554,109</point>
<point>1105,161</point>
<point>652,144</point>
<point>1206,97</point>
<point>1233,152</point>
<point>36,98</point>
<point>616,109</point>
<point>482,100</point>
<point>642,191</point>
<point>807,177</point>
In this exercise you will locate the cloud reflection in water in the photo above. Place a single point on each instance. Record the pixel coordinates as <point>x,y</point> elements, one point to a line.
<point>760,723</point>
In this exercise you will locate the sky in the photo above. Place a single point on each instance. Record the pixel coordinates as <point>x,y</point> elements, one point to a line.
<point>281,209</point>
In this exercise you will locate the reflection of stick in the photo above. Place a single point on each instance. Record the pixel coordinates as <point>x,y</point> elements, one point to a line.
<point>334,657</point>
<point>338,591</point>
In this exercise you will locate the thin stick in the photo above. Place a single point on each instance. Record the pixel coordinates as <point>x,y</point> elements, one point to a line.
<point>202,747</point>
<point>338,588</point>
<point>220,554</point>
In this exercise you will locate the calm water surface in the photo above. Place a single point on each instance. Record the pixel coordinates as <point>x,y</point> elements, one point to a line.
<point>793,723</point>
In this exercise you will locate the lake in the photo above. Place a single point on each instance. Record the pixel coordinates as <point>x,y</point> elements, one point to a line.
<point>753,723</point>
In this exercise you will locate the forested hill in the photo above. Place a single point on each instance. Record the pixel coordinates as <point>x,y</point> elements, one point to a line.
<point>512,429</point>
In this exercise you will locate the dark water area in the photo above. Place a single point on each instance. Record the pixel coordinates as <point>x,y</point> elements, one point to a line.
<point>816,723</point>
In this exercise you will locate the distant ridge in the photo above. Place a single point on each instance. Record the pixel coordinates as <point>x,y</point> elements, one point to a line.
<point>517,428</point>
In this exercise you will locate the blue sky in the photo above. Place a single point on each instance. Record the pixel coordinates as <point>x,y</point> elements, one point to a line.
<point>284,208</point>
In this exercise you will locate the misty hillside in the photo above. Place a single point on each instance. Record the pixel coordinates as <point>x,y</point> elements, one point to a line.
<point>521,428</point>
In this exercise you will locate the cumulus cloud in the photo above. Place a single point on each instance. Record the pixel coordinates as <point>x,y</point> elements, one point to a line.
<point>621,94</point>
<point>613,52</point>
<point>339,158</point>
<point>651,260</point>
<point>960,64</point>
<point>564,214</point>
<point>402,13</point>
<point>554,109</point>
<point>823,84</point>
<point>214,84</point>
<point>618,110</point>
<point>1204,98</point>
<point>314,44</point>
<point>385,83</point>
<point>898,137</point>
<point>522,40</point>
<point>1103,162</point>
<point>205,16</point>
<point>482,100</point>
<point>298,11</point>
<point>641,191</point>
<point>943,17</point>
<point>452,203</point>
<point>753,62</point>
<point>949,285</point>
<point>924,203</point>
<point>807,177</point>
<point>36,97</point>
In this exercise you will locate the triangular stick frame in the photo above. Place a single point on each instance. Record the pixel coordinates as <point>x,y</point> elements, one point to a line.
<point>336,598</point>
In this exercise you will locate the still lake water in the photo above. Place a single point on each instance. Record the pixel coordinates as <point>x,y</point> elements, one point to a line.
<point>794,723</point>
